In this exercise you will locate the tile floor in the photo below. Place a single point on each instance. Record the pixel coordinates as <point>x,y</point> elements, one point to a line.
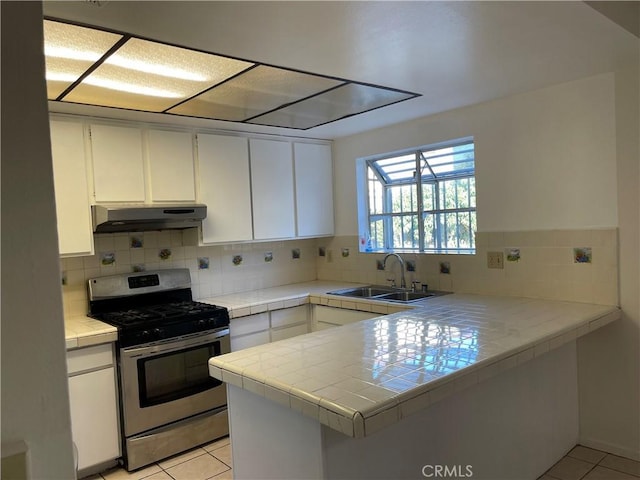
<point>209,462</point>
<point>583,463</point>
<point>213,462</point>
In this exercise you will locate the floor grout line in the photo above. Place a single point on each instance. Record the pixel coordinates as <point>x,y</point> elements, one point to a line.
<point>593,465</point>
<point>546,474</point>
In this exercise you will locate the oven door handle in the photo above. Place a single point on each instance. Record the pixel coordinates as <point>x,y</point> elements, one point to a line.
<point>171,345</point>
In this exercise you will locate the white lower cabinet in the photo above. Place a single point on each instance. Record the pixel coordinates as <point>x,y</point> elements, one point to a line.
<point>327,317</point>
<point>289,322</point>
<point>249,331</point>
<point>274,325</point>
<point>93,400</point>
<point>265,327</point>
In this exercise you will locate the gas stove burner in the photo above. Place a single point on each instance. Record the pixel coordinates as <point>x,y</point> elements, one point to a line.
<point>180,311</point>
<point>152,306</point>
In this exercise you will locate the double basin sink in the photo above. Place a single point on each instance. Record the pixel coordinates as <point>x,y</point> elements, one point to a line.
<point>387,294</point>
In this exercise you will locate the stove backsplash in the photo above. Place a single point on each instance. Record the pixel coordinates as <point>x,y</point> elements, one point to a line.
<point>215,270</point>
<point>574,265</point>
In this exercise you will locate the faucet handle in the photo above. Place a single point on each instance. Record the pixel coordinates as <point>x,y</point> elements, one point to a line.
<point>393,281</point>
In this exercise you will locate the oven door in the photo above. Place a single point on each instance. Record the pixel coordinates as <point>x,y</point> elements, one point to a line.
<point>167,381</point>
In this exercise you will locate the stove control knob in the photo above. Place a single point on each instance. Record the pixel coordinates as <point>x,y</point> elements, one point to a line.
<point>158,332</point>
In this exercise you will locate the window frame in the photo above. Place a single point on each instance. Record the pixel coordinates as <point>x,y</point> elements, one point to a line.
<point>418,213</point>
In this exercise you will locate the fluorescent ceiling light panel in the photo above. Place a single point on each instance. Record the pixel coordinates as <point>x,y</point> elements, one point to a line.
<point>255,92</point>
<point>144,75</point>
<point>69,51</point>
<point>95,67</point>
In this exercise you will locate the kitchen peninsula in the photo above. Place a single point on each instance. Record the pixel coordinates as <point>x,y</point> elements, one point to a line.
<point>483,386</point>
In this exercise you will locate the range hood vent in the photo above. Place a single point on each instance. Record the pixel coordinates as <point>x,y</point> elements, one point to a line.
<point>136,218</point>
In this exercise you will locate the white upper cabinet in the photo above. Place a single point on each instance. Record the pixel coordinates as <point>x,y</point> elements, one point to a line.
<point>254,188</point>
<point>224,186</point>
<point>75,236</point>
<point>171,170</point>
<point>272,189</point>
<point>118,168</point>
<point>314,189</point>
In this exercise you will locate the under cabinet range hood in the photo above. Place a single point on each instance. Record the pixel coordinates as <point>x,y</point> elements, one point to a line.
<point>135,218</point>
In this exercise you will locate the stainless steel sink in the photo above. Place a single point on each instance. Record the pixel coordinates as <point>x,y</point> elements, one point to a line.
<point>365,292</point>
<point>384,293</point>
<point>405,296</point>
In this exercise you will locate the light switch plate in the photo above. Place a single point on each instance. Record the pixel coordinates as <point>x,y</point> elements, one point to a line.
<point>495,259</point>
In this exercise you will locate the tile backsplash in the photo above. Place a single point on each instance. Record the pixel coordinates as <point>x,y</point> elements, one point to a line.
<point>573,265</point>
<point>215,270</point>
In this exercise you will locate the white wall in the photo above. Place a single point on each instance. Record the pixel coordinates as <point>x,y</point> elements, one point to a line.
<point>610,358</point>
<point>544,159</point>
<point>35,403</point>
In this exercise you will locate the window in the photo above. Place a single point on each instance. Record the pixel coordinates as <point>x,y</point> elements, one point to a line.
<point>433,211</point>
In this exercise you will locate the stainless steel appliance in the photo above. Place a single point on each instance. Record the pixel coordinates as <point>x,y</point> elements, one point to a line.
<point>168,401</point>
<point>139,217</point>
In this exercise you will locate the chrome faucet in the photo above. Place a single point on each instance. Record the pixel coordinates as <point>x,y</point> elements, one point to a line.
<point>403,283</point>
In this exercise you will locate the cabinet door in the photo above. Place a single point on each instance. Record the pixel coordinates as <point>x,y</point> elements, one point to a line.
<point>224,186</point>
<point>314,189</point>
<point>250,340</point>
<point>289,322</point>
<point>289,332</point>
<point>290,316</point>
<point>272,189</point>
<point>325,316</point>
<point>75,232</point>
<point>249,331</point>
<point>118,171</point>
<point>171,166</point>
<point>94,417</point>
<point>258,322</point>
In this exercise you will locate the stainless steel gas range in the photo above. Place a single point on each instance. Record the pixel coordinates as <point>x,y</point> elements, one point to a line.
<point>168,401</point>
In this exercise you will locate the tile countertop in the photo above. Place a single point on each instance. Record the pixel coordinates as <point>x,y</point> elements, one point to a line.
<point>362,377</point>
<point>242,304</point>
<point>82,331</point>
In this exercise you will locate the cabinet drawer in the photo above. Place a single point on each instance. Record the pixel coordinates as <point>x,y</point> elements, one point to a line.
<point>282,333</point>
<point>289,316</point>
<point>340,316</point>
<point>90,358</point>
<point>324,326</point>
<point>251,340</point>
<point>249,324</point>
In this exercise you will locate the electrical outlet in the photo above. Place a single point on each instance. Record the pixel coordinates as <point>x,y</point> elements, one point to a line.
<point>495,260</point>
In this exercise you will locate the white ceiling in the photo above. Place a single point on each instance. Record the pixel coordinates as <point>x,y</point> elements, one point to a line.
<point>453,53</point>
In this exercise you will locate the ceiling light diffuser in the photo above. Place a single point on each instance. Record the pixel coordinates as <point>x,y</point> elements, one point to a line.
<point>95,67</point>
<point>253,93</point>
<point>70,51</point>
<point>141,67</point>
